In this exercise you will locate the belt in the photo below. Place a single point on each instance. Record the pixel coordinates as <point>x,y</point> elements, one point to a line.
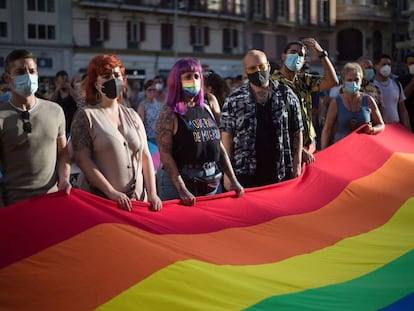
<point>199,166</point>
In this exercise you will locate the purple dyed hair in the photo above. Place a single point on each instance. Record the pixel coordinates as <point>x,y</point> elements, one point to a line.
<point>175,87</point>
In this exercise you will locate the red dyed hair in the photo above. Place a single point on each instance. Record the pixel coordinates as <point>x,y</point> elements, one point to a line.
<point>98,66</point>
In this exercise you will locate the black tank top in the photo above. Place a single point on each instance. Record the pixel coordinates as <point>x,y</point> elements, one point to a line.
<point>197,139</point>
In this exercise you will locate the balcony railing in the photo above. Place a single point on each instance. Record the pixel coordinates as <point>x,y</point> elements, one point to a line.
<point>192,7</point>
<point>363,12</point>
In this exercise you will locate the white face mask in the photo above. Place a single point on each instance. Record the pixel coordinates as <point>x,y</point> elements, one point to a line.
<point>385,71</point>
<point>159,86</point>
<point>411,69</point>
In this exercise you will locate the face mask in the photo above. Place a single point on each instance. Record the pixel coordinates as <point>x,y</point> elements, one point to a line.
<point>25,85</point>
<point>159,87</point>
<point>5,97</point>
<point>294,62</point>
<point>259,78</point>
<point>385,70</point>
<point>369,74</point>
<point>112,88</point>
<point>191,87</point>
<point>411,69</point>
<point>352,87</point>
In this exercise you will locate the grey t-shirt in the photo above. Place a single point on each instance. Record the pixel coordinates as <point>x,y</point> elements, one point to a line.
<point>28,161</point>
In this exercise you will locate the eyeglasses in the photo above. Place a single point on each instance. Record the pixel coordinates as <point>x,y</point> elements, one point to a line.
<point>27,126</point>
<point>151,90</point>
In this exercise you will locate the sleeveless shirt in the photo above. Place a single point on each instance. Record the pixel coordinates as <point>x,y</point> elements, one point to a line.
<point>197,139</point>
<point>348,121</point>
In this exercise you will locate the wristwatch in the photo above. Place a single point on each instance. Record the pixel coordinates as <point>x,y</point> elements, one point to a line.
<point>323,54</point>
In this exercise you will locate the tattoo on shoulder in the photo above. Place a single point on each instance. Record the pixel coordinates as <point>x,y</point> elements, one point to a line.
<point>80,132</point>
<point>164,131</point>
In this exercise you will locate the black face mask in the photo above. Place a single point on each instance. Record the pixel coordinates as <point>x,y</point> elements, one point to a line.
<point>259,78</point>
<point>112,88</point>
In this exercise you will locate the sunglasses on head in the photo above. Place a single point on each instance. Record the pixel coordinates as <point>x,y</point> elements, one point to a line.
<point>27,126</point>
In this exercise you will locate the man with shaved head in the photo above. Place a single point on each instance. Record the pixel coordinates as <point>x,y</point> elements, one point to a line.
<point>261,127</point>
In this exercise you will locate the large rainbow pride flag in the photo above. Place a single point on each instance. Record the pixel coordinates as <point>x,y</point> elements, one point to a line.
<point>340,237</point>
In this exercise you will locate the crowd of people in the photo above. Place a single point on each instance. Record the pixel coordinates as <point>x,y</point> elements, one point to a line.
<point>213,135</point>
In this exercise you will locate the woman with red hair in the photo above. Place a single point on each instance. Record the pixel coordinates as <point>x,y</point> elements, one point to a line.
<point>109,140</point>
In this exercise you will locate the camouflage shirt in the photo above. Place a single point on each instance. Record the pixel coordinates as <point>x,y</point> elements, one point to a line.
<point>373,91</point>
<point>303,86</point>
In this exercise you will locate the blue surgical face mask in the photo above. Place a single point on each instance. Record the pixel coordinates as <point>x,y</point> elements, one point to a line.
<point>294,62</point>
<point>352,87</point>
<point>369,74</point>
<point>5,97</point>
<point>25,85</point>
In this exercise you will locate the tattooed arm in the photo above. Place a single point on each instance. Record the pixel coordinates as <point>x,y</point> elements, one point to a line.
<point>297,154</point>
<point>165,129</point>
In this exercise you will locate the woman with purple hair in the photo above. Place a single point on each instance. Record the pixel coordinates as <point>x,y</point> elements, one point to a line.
<point>191,153</point>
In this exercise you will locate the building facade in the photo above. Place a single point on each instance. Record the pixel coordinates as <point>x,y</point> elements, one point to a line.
<point>42,26</point>
<point>149,35</point>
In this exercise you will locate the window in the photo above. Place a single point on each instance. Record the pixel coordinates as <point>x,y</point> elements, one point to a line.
<point>31,31</point>
<point>98,30</point>
<point>323,13</point>
<point>257,8</point>
<point>51,32</point>
<point>281,10</point>
<point>2,4</point>
<point>230,40</point>
<point>168,4</point>
<point>135,33</point>
<point>3,29</point>
<point>228,6</point>
<point>258,41</point>
<point>197,5</point>
<point>167,36</point>
<point>199,35</point>
<point>303,9</point>
<point>41,5</point>
<point>41,31</point>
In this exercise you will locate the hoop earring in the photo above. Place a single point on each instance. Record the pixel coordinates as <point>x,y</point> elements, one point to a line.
<point>98,97</point>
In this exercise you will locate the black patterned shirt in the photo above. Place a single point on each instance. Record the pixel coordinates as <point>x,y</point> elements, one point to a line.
<point>238,117</point>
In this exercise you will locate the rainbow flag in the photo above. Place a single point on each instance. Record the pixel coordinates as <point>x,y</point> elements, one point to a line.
<point>340,237</point>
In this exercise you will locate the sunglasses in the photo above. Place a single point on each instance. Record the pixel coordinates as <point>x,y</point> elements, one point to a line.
<point>27,126</point>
